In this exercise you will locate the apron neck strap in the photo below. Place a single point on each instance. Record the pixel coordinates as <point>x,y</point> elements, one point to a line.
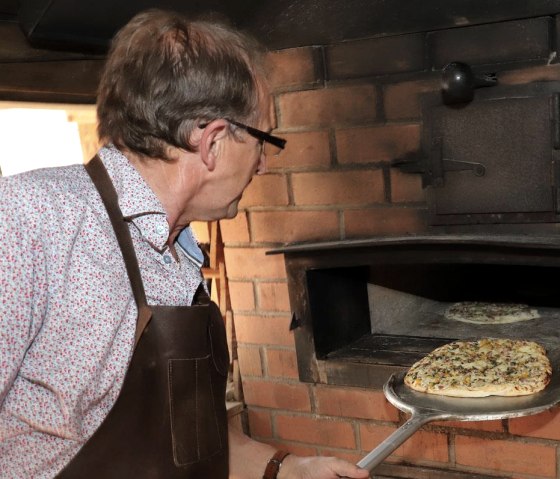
<point>104,186</point>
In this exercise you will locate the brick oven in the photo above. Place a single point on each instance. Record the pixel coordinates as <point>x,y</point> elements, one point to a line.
<point>367,204</point>
<point>384,195</point>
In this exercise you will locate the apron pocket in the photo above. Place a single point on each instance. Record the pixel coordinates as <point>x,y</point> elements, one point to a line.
<point>194,424</point>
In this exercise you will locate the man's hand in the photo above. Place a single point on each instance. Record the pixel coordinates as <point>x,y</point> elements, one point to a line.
<point>248,459</point>
<point>318,467</point>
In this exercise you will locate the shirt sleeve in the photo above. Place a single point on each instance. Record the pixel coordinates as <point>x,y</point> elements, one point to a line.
<point>22,280</point>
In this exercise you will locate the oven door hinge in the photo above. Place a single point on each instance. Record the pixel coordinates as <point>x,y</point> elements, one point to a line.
<point>433,169</point>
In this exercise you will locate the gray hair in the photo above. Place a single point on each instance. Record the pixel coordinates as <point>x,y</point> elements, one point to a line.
<point>165,75</point>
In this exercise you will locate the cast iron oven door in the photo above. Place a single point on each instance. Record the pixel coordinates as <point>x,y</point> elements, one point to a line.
<point>493,160</point>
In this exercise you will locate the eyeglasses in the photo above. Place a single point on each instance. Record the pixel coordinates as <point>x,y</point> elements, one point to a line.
<point>271,145</point>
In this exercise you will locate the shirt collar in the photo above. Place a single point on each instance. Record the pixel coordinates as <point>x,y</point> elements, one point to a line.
<point>140,205</point>
<point>137,201</point>
<point>187,242</point>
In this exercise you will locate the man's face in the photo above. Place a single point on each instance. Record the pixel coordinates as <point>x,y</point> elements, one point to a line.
<point>242,158</point>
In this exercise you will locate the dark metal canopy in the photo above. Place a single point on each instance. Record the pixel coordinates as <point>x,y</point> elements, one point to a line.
<point>88,26</point>
<point>53,50</point>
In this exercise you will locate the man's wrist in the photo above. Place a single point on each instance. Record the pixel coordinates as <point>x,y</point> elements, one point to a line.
<point>274,464</point>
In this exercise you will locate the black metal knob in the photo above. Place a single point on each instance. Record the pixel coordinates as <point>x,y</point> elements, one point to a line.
<point>458,82</point>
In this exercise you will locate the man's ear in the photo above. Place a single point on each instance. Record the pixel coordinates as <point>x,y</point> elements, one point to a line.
<point>211,142</point>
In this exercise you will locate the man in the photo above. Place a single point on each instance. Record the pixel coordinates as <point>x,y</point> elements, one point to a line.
<point>112,361</point>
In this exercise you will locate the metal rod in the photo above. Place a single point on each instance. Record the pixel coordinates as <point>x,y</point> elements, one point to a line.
<point>377,455</point>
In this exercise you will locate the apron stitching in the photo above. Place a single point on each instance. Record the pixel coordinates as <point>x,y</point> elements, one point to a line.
<point>171,408</point>
<point>215,416</point>
<point>196,408</point>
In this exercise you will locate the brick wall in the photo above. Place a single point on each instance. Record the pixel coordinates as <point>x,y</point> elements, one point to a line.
<point>346,111</point>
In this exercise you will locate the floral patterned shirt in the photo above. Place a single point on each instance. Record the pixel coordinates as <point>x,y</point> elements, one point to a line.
<point>67,313</point>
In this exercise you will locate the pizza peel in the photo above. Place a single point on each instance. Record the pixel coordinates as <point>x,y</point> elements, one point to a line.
<point>425,408</point>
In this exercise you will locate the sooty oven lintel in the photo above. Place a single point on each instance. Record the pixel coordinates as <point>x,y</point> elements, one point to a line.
<point>363,309</point>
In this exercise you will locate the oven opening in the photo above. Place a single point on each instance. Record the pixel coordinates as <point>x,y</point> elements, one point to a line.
<point>406,306</point>
<point>374,310</point>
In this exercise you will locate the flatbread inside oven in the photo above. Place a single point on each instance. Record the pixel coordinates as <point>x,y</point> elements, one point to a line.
<point>490,313</point>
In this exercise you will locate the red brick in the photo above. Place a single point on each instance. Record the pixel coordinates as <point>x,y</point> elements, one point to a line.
<point>273,297</point>
<point>250,363</point>
<point>371,435</point>
<point>282,363</point>
<point>379,143</point>
<point>266,190</point>
<point>422,446</point>
<point>545,425</point>
<point>303,150</point>
<point>339,187</point>
<point>291,226</point>
<point>297,449</point>
<point>353,402</point>
<point>406,187</point>
<point>324,107</point>
<point>402,100</point>
<point>489,426</point>
<point>291,67</point>
<point>251,263</point>
<point>506,456</point>
<point>294,397</point>
<point>317,431</point>
<point>425,446</point>
<point>384,221</point>
<point>235,230</point>
<point>242,295</point>
<point>375,56</point>
<point>263,330</point>
<point>529,75</point>
<point>260,423</point>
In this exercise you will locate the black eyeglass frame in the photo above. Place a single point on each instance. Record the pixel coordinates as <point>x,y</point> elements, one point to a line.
<point>259,134</point>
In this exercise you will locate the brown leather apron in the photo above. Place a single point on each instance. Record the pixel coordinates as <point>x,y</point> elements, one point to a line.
<point>169,420</point>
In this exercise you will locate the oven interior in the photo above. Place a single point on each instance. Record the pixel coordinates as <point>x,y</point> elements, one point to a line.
<point>368,310</point>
